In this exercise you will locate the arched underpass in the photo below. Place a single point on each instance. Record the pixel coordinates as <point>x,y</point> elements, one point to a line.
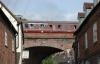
<point>40,48</point>
<point>37,54</point>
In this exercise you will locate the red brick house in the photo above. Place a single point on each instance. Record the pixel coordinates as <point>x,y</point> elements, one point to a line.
<point>87,38</point>
<point>7,40</point>
<point>8,32</point>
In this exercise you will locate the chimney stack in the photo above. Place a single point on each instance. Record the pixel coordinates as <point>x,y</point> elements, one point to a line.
<point>95,2</point>
<point>81,16</point>
<point>87,7</point>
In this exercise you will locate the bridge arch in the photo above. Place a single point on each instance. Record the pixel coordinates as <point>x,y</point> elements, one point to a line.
<point>37,54</point>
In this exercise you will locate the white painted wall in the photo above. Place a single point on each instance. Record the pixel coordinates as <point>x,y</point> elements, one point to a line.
<point>20,41</point>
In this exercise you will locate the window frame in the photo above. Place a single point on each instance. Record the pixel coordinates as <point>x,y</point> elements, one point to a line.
<point>86,40</point>
<point>6,38</point>
<point>13,44</point>
<point>94,32</point>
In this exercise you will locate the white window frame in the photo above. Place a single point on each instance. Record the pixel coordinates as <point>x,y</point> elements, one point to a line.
<point>95,32</point>
<point>13,45</point>
<point>6,39</point>
<point>86,41</point>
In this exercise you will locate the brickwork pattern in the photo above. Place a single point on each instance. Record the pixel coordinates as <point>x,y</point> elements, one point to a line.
<point>63,44</point>
<point>6,54</point>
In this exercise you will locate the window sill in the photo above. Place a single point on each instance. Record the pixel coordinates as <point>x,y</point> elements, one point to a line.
<point>95,43</point>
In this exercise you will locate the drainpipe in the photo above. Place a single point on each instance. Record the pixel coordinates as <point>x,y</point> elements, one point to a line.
<point>18,35</point>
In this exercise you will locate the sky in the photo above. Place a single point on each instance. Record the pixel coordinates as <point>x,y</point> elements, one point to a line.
<point>46,10</point>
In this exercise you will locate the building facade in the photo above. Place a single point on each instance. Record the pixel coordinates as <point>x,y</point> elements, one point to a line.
<point>11,36</point>
<point>87,38</point>
<point>7,40</point>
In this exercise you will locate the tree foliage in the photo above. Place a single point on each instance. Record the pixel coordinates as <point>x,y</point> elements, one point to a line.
<point>49,60</point>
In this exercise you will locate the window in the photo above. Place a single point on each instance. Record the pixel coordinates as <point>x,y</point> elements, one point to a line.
<point>99,60</point>
<point>95,32</point>
<point>59,26</point>
<point>50,26</point>
<point>41,26</point>
<point>13,47</point>
<point>86,40</point>
<point>31,26</point>
<point>6,44</point>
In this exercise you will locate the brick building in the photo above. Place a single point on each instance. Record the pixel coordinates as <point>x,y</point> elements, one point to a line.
<point>87,37</point>
<point>7,40</point>
<point>11,37</point>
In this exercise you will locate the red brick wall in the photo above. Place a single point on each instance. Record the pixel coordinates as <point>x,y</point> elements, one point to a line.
<point>58,40</point>
<point>48,35</point>
<point>6,54</point>
<point>93,50</point>
<point>63,44</point>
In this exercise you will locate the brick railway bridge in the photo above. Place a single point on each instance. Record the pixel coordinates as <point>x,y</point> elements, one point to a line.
<point>45,38</point>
